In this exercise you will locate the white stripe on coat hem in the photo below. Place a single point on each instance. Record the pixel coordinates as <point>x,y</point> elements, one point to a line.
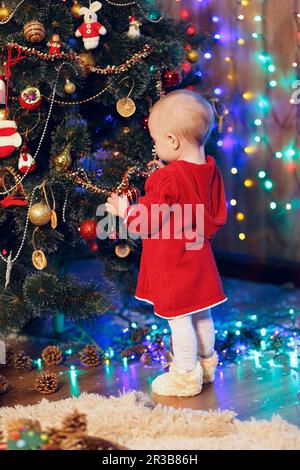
<point>186,314</point>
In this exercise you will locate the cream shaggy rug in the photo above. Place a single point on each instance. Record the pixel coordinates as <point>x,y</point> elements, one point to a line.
<point>136,422</point>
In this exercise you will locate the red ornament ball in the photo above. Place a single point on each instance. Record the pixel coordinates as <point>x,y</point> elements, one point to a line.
<point>93,247</point>
<point>88,230</point>
<point>171,78</point>
<point>30,98</point>
<point>184,14</point>
<point>191,30</point>
<point>186,67</point>
<point>144,122</point>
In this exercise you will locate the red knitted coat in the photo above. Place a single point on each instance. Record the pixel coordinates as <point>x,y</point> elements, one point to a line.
<point>176,280</point>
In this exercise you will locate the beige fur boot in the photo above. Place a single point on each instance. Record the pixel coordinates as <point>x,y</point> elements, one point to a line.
<point>178,382</point>
<point>209,368</point>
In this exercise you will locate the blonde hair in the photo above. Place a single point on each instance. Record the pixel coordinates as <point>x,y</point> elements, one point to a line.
<point>186,113</point>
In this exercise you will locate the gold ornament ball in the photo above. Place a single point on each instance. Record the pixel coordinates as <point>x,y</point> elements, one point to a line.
<point>87,60</point>
<point>3,114</point>
<point>126,107</point>
<point>40,214</point>
<point>126,130</point>
<point>4,12</point>
<point>34,31</point>
<point>122,251</point>
<point>63,160</point>
<point>70,87</point>
<point>75,9</point>
<point>193,56</point>
<point>39,260</point>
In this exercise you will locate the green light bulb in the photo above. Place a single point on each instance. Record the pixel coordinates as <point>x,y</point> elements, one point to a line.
<point>263,103</point>
<point>262,174</point>
<point>268,184</point>
<point>290,153</point>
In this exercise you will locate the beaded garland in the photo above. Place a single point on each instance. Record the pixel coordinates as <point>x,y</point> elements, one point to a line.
<point>136,4</point>
<point>109,69</point>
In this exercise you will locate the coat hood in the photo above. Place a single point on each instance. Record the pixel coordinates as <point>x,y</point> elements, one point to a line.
<point>207,184</point>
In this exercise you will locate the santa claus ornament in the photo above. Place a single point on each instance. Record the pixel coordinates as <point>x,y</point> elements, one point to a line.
<point>10,139</point>
<point>54,44</point>
<point>26,161</point>
<point>91,29</point>
<point>134,28</point>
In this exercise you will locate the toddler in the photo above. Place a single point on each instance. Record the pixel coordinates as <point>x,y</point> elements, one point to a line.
<point>178,273</point>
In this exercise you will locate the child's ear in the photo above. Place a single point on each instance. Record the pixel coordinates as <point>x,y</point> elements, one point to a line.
<point>174,141</point>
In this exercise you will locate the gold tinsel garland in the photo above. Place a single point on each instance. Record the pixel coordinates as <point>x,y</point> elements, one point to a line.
<point>109,69</point>
<point>80,177</point>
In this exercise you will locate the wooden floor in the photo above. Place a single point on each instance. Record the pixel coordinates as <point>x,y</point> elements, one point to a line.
<point>249,390</point>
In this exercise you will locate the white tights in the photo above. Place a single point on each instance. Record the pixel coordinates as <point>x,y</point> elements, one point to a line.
<point>192,336</point>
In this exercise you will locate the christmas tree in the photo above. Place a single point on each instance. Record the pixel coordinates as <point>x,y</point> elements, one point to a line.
<point>77,84</point>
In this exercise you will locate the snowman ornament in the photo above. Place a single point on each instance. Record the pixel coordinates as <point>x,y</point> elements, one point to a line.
<point>10,139</point>
<point>26,161</point>
<point>91,29</point>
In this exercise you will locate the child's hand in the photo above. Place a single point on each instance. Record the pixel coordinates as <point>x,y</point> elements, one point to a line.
<point>117,205</point>
<point>157,163</point>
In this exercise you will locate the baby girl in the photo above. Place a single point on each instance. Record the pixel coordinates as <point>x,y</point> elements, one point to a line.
<point>179,278</point>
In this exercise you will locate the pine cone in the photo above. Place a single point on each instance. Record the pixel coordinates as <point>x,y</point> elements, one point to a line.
<point>55,437</point>
<point>22,424</point>
<point>138,334</point>
<point>136,351</point>
<point>46,382</point>
<point>90,357</point>
<point>277,342</point>
<point>4,384</point>
<point>146,358</point>
<point>82,442</point>
<point>96,443</point>
<point>52,355</point>
<point>74,423</point>
<point>73,442</point>
<point>22,361</point>
<point>9,359</point>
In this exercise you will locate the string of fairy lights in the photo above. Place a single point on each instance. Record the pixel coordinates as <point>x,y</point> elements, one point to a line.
<point>260,104</point>
<point>289,153</point>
